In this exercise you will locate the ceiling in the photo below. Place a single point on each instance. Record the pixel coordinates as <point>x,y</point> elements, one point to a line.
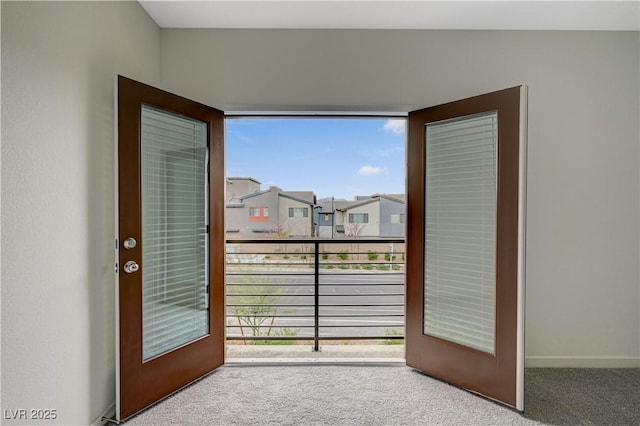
<point>398,14</point>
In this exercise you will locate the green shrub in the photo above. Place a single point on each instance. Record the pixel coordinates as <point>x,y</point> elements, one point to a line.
<point>367,267</point>
<point>372,255</point>
<point>382,267</point>
<point>283,332</point>
<point>388,257</point>
<point>343,255</point>
<point>325,255</point>
<point>393,332</point>
<point>254,299</point>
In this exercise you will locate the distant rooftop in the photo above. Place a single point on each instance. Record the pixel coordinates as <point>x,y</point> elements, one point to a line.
<point>303,195</point>
<point>400,197</point>
<point>328,203</point>
<point>245,178</point>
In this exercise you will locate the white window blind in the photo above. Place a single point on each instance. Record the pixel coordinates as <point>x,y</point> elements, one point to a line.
<point>174,218</point>
<point>460,232</point>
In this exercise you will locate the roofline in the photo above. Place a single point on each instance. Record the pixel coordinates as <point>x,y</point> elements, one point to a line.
<point>279,192</point>
<point>291,197</point>
<point>373,199</point>
<point>254,194</point>
<point>359,203</point>
<point>389,197</point>
<point>245,178</point>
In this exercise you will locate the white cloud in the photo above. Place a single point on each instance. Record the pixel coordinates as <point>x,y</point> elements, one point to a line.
<point>396,126</point>
<point>371,170</point>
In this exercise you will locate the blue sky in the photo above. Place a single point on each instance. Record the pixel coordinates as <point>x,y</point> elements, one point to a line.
<point>340,157</point>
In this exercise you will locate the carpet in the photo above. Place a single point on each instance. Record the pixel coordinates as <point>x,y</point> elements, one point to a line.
<point>385,394</point>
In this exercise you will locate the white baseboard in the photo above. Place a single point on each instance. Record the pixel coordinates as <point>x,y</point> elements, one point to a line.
<point>110,412</point>
<point>581,362</point>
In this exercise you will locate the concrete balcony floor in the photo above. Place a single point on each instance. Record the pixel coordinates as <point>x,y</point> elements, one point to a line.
<point>329,352</point>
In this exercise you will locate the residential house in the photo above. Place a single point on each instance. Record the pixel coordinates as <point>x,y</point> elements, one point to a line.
<point>272,211</point>
<point>331,217</point>
<point>238,186</point>
<point>374,216</point>
<point>325,223</point>
<point>323,218</point>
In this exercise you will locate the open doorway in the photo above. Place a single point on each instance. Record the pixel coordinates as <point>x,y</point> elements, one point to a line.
<point>315,219</point>
<point>465,165</point>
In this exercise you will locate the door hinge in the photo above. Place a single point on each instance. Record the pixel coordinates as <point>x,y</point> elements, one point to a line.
<point>116,268</point>
<point>116,244</point>
<point>207,229</point>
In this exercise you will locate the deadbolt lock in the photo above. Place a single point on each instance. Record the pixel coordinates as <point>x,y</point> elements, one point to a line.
<point>130,267</point>
<point>129,243</point>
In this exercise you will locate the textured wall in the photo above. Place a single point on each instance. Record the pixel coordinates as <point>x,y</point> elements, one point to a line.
<point>59,61</point>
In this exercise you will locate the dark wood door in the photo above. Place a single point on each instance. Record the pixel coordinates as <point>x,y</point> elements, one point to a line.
<point>465,244</point>
<point>170,243</point>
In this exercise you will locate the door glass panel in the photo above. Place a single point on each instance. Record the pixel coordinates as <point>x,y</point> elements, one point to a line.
<point>174,218</point>
<point>460,230</point>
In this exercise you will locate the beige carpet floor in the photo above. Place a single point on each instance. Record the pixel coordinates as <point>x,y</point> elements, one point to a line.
<point>384,394</point>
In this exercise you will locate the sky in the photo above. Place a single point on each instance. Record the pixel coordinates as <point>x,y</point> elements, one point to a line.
<point>340,157</point>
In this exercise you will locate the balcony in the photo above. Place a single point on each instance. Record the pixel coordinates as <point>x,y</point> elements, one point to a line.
<point>327,298</point>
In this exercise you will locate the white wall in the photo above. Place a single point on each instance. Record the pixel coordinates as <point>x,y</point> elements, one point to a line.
<point>583,301</point>
<point>58,66</point>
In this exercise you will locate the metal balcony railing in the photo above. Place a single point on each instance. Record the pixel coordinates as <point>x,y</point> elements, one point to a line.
<point>315,289</point>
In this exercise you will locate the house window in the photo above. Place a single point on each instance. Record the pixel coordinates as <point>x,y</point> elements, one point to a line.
<point>298,212</point>
<point>358,217</point>
<point>258,214</point>
<point>397,218</point>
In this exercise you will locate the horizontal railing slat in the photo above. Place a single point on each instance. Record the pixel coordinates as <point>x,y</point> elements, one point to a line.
<point>274,283</point>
